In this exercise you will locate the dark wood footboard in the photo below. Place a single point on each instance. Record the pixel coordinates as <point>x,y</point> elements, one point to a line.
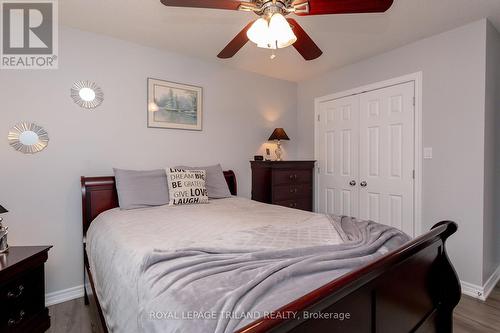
<point>412,289</point>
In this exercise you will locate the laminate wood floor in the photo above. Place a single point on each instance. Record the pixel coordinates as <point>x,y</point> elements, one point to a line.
<point>471,316</point>
<point>70,317</point>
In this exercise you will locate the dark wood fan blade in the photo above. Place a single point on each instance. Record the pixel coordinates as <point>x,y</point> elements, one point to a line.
<point>321,7</point>
<point>304,44</point>
<point>216,4</point>
<point>236,44</point>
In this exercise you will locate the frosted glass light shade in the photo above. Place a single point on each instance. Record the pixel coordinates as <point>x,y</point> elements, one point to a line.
<point>276,33</point>
<point>259,32</point>
<point>281,31</point>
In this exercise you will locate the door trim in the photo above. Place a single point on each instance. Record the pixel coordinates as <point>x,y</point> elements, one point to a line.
<point>417,79</point>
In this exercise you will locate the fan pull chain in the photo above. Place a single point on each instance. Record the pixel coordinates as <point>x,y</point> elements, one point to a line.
<point>273,55</point>
<point>273,51</point>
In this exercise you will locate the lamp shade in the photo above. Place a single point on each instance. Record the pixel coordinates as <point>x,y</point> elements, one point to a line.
<point>279,134</point>
<point>3,210</point>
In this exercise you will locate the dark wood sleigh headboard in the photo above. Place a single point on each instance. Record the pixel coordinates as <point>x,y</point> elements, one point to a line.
<point>99,195</point>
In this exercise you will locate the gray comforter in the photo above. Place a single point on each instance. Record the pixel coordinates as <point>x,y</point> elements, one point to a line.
<point>221,289</point>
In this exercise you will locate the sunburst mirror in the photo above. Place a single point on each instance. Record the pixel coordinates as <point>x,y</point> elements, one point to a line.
<point>28,138</point>
<point>87,94</point>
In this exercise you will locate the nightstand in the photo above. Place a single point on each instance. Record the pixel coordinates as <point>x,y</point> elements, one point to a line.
<point>22,290</point>
<point>283,183</point>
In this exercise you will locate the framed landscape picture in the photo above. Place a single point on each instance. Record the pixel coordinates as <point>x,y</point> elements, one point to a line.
<point>174,105</point>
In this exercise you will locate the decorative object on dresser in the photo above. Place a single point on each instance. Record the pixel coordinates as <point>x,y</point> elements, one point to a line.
<point>278,135</point>
<point>22,290</point>
<point>28,138</point>
<point>268,154</point>
<point>4,246</point>
<point>288,184</point>
<point>174,105</point>
<point>87,94</point>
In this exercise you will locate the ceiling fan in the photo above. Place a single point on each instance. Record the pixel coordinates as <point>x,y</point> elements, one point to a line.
<point>272,30</point>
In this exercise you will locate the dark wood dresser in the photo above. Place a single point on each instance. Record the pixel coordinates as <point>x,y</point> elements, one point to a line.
<point>22,290</point>
<point>284,183</point>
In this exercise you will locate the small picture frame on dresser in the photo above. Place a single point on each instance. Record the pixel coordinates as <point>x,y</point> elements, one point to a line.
<point>268,154</point>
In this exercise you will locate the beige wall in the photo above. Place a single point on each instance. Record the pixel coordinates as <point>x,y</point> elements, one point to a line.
<point>42,191</point>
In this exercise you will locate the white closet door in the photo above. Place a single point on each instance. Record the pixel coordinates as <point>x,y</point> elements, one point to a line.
<point>386,156</point>
<point>338,162</point>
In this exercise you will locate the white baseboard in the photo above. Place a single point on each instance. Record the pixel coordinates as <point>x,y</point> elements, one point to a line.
<point>473,290</point>
<point>481,292</point>
<point>62,296</point>
<point>492,282</point>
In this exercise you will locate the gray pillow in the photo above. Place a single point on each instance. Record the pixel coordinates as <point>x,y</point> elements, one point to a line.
<point>216,183</point>
<point>139,189</point>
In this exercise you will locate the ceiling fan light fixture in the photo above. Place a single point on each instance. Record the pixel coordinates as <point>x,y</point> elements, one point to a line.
<point>281,31</point>
<point>272,34</point>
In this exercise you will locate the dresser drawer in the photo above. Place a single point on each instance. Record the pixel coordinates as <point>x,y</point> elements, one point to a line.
<point>21,299</point>
<point>290,192</point>
<point>301,203</point>
<point>291,176</point>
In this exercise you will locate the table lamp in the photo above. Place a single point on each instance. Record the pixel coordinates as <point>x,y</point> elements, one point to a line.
<point>278,135</point>
<point>3,233</point>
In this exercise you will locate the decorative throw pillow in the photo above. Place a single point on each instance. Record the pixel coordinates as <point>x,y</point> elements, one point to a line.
<point>139,189</point>
<point>216,182</point>
<point>186,186</point>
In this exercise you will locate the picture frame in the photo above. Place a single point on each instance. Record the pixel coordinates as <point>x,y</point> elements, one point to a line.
<point>174,105</point>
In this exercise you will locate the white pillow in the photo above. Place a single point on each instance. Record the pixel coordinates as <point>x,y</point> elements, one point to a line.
<point>187,186</point>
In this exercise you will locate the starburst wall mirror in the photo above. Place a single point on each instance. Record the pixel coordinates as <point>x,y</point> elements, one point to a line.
<point>87,94</point>
<point>28,138</point>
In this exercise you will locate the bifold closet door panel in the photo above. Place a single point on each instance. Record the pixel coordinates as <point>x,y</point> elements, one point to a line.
<point>338,156</point>
<point>386,156</point>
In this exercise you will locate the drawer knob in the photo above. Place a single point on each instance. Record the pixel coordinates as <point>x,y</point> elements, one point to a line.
<point>293,205</point>
<point>293,177</point>
<point>293,190</point>
<point>17,293</point>
<point>13,322</point>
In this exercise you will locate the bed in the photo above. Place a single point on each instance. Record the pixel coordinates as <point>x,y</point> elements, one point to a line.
<point>412,287</point>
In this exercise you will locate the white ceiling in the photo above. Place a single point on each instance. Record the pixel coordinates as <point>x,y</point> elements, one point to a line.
<point>344,39</point>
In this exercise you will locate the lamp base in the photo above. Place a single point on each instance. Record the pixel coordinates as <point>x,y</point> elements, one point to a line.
<point>278,151</point>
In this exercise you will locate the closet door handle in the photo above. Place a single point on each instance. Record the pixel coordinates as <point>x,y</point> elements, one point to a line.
<point>352,183</point>
<point>363,184</point>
